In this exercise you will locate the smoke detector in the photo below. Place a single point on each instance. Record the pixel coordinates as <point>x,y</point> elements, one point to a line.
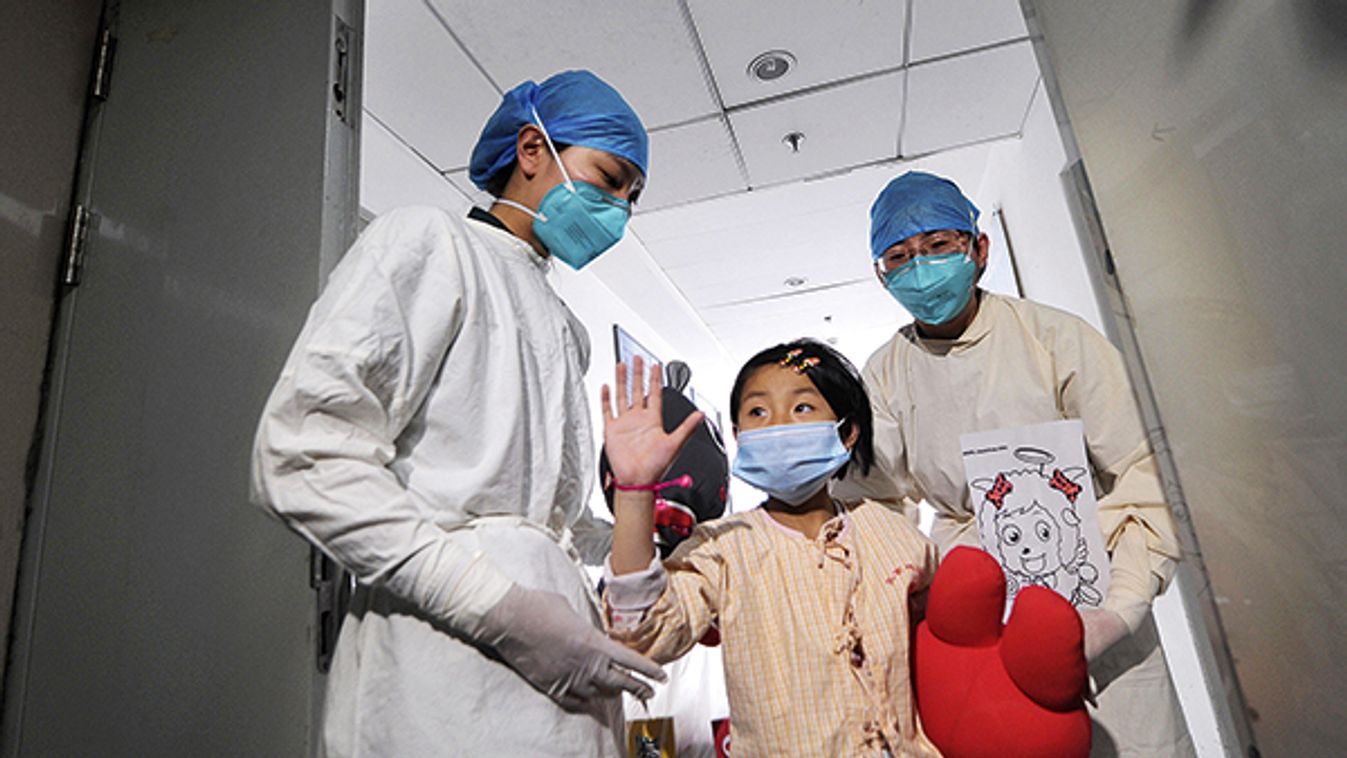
<point>771,65</point>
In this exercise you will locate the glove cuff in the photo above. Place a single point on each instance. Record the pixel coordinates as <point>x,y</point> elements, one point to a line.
<point>465,602</point>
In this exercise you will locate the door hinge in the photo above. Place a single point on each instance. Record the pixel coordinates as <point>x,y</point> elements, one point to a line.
<point>77,236</point>
<point>344,41</point>
<point>107,48</point>
<point>333,586</point>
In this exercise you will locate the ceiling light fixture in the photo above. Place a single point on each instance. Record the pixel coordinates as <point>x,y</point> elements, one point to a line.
<point>793,140</point>
<point>795,281</point>
<point>771,65</point>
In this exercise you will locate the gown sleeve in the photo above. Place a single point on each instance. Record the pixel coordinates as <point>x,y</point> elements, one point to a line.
<point>665,610</point>
<point>360,369</point>
<point>1138,528</point>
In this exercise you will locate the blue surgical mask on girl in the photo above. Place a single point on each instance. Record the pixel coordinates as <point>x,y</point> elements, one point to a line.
<point>790,462</point>
<point>575,221</point>
<point>935,288</point>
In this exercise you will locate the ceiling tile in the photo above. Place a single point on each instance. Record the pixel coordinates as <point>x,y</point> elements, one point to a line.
<point>419,83</point>
<point>941,27</point>
<point>968,98</point>
<point>745,246</point>
<point>723,252</point>
<point>763,206</point>
<point>745,266</point>
<point>641,47</point>
<point>690,163</point>
<point>755,236</point>
<point>788,206</point>
<point>734,32</point>
<point>842,126</point>
<point>856,320</point>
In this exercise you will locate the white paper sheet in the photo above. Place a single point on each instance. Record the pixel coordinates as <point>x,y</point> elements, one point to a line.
<point>1034,498</point>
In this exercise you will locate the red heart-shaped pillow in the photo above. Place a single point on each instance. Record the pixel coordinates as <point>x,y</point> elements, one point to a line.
<point>984,689</point>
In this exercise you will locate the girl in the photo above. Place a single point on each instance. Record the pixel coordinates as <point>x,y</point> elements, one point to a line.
<point>811,596</point>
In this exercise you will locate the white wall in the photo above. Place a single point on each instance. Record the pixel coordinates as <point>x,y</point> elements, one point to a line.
<point>1023,181</point>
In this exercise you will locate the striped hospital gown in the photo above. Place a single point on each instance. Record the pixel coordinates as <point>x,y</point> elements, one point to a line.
<point>815,632</point>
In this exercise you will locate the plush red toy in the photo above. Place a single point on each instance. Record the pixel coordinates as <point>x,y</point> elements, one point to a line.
<point>983,689</point>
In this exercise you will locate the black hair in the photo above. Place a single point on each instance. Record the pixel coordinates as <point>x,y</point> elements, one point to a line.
<point>495,186</point>
<point>835,378</point>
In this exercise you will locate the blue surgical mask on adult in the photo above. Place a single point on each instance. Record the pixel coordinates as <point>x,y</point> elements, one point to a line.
<point>934,288</point>
<point>575,221</point>
<point>790,462</point>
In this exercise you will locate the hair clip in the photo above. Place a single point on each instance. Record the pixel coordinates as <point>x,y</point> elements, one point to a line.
<point>794,360</point>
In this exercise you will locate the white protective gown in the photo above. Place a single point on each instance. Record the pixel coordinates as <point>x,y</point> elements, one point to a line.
<point>430,432</point>
<point>1020,363</point>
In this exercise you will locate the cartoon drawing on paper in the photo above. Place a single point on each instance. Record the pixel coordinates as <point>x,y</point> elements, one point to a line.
<point>1035,513</point>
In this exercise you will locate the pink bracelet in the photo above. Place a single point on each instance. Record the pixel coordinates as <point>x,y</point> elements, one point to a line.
<point>682,481</point>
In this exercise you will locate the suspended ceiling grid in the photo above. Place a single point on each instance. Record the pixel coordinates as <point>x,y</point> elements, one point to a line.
<point>751,250</point>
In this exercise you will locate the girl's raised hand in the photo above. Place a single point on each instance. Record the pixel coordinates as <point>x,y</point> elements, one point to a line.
<point>639,450</point>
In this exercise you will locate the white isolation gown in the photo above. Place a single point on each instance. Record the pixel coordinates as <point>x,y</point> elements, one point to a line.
<point>1020,363</point>
<point>430,432</point>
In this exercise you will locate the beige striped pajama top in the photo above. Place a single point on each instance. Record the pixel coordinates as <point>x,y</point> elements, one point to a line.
<point>815,632</point>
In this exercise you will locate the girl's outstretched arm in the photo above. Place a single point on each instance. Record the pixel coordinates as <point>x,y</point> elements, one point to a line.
<point>639,452</point>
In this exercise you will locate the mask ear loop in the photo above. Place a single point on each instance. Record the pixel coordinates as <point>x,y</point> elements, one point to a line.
<point>555,156</point>
<point>973,241</point>
<point>552,146</point>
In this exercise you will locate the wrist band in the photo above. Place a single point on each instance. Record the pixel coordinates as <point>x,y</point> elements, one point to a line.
<point>682,481</point>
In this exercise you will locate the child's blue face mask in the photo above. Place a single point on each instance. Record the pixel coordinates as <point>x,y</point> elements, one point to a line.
<point>790,462</point>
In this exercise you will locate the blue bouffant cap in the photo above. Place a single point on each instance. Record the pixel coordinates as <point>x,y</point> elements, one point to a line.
<point>576,108</point>
<point>918,202</point>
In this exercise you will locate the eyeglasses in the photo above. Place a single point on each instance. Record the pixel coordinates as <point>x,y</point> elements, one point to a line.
<point>928,243</point>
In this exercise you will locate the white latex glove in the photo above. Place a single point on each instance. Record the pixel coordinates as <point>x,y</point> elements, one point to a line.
<point>546,642</point>
<point>1103,630</point>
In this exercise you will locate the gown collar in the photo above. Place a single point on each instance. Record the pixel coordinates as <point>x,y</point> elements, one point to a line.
<point>976,331</point>
<point>487,218</point>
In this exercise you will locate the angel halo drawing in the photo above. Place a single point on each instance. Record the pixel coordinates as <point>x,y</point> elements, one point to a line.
<point>1028,520</point>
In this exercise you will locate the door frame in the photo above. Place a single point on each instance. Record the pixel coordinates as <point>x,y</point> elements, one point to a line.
<point>338,225</point>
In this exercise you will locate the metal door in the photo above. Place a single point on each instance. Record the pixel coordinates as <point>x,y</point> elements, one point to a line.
<point>158,612</point>
<point>43,107</point>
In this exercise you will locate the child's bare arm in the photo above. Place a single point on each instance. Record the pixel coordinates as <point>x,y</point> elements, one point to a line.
<point>639,452</point>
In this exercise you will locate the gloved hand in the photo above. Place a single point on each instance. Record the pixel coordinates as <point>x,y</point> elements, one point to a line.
<point>546,642</point>
<point>1103,630</point>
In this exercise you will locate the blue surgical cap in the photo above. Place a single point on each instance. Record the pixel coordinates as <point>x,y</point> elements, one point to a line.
<point>918,202</point>
<point>576,108</point>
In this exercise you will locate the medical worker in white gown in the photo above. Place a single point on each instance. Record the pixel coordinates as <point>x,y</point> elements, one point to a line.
<point>976,361</point>
<point>430,432</point>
